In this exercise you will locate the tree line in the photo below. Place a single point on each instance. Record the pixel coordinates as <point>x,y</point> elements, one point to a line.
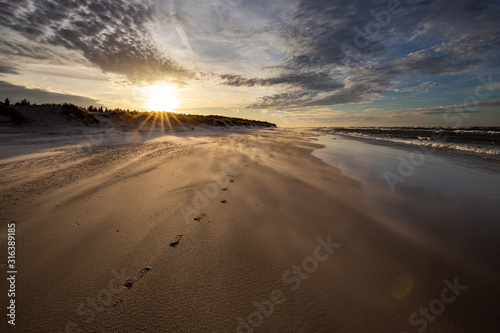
<point>174,115</point>
<point>91,108</point>
<point>24,102</point>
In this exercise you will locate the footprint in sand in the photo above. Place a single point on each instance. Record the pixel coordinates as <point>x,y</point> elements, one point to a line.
<point>223,201</point>
<point>117,302</point>
<point>144,271</point>
<point>130,282</point>
<point>177,241</point>
<point>198,218</point>
<point>225,189</point>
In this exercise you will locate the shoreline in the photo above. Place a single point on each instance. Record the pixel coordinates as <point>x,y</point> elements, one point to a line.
<point>263,201</point>
<point>409,145</point>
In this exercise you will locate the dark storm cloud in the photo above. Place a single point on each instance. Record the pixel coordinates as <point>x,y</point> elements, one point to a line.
<point>17,93</point>
<point>109,34</point>
<point>376,43</point>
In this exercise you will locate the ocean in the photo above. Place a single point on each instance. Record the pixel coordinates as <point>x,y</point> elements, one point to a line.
<point>420,180</point>
<point>479,141</point>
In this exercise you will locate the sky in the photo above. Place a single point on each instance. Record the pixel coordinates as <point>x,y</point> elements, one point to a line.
<point>291,62</point>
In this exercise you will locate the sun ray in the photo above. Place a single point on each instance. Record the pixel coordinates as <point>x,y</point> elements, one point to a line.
<point>167,117</point>
<point>153,125</point>
<point>145,120</point>
<point>178,121</point>
<point>162,123</point>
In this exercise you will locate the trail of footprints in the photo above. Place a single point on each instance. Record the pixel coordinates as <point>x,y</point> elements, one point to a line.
<point>131,281</point>
<point>222,201</point>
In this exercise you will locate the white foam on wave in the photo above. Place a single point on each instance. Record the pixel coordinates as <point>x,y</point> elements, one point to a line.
<point>424,141</point>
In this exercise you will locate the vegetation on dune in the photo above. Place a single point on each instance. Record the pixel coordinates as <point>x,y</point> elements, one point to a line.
<point>10,115</point>
<point>86,116</point>
<point>197,120</point>
<point>24,102</point>
<point>73,112</point>
<point>121,116</point>
<point>182,118</point>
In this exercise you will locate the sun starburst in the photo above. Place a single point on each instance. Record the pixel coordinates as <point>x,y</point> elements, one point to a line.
<point>162,98</point>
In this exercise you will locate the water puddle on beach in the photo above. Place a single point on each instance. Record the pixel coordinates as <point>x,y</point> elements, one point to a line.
<point>426,185</point>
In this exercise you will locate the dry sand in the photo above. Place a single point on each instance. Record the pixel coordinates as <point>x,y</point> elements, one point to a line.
<point>197,234</point>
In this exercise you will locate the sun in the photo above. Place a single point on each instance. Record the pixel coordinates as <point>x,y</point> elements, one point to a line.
<point>161,98</point>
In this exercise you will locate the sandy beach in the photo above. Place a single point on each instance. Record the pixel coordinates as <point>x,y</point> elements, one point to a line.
<point>231,166</point>
<point>220,231</point>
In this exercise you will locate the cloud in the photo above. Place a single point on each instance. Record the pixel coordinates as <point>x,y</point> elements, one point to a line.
<point>287,100</point>
<point>309,53</point>
<point>112,35</point>
<point>311,81</point>
<point>491,102</point>
<point>401,116</point>
<point>373,44</point>
<point>323,31</point>
<point>17,93</point>
<point>441,110</point>
<point>357,93</point>
<point>421,88</point>
<point>8,69</point>
<point>423,62</point>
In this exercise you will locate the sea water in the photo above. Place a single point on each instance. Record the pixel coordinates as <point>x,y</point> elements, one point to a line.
<point>418,183</point>
<point>479,141</point>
